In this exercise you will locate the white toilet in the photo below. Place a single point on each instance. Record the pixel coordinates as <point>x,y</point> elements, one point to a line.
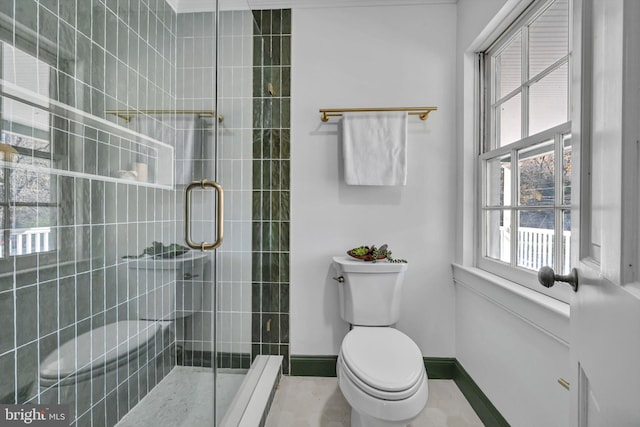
<point>110,354</point>
<point>380,370</point>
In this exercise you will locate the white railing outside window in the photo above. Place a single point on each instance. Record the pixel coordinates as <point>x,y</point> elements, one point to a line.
<point>535,247</point>
<point>24,241</point>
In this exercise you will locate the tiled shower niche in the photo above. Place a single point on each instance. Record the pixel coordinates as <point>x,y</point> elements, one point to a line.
<point>49,134</point>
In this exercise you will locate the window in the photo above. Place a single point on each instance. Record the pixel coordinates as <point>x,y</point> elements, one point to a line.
<point>28,193</point>
<point>525,164</point>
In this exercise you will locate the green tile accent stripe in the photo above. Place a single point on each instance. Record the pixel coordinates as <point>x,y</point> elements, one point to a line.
<point>233,360</point>
<point>271,183</point>
<point>438,368</point>
<point>204,359</point>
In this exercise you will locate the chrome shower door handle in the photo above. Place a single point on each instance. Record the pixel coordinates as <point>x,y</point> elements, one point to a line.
<point>203,246</point>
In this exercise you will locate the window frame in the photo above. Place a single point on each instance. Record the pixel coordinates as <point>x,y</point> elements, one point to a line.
<point>6,202</point>
<point>488,126</point>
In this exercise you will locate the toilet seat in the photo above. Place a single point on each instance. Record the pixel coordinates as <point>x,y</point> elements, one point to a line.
<point>374,392</point>
<point>382,362</point>
<point>124,338</point>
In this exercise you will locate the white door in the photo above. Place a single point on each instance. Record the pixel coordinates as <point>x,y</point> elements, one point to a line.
<point>605,311</point>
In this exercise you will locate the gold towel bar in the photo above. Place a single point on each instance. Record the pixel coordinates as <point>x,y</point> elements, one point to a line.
<point>127,115</point>
<point>423,112</point>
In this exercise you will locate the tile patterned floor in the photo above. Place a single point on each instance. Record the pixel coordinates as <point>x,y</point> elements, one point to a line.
<point>183,399</point>
<point>318,402</point>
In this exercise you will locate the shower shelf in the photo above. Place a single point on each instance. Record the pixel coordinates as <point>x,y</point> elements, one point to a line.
<point>85,145</point>
<point>168,263</point>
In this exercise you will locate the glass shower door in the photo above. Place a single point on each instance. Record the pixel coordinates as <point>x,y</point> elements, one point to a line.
<point>253,147</point>
<point>210,78</point>
<point>226,158</point>
<point>234,258</point>
<point>242,129</point>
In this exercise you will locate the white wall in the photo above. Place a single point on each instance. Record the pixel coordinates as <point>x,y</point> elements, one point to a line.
<point>513,342</point>
<point>372,57</point>
<point>472,17</point>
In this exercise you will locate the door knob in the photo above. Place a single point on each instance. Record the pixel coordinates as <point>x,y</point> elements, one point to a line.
<point>547,277</point>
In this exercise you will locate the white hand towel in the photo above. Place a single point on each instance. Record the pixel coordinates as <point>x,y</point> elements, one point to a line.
<point>188,150</point>
<point>188,143</point>
<point>374,148</point>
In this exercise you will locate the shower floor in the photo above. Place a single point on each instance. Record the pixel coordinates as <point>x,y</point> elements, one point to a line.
<point>184,398</point>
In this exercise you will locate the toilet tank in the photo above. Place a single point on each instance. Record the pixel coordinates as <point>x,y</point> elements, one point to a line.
<point>174,286</point>
<point>371,293</point>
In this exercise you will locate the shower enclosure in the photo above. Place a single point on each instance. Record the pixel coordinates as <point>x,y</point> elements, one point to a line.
<point>108,110</point>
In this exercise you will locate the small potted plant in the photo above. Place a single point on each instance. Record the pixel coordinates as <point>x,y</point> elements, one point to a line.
<point>373,253</point>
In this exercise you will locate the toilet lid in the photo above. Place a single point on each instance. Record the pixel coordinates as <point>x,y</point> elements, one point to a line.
<point>383,358</point>
<point>121,338</point>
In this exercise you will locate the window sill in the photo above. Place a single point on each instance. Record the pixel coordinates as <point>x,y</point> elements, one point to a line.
<point>547,314</point>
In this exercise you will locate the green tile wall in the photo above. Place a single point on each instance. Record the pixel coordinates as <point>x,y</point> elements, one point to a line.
<point>100,55</point>
<point>271,179</point>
